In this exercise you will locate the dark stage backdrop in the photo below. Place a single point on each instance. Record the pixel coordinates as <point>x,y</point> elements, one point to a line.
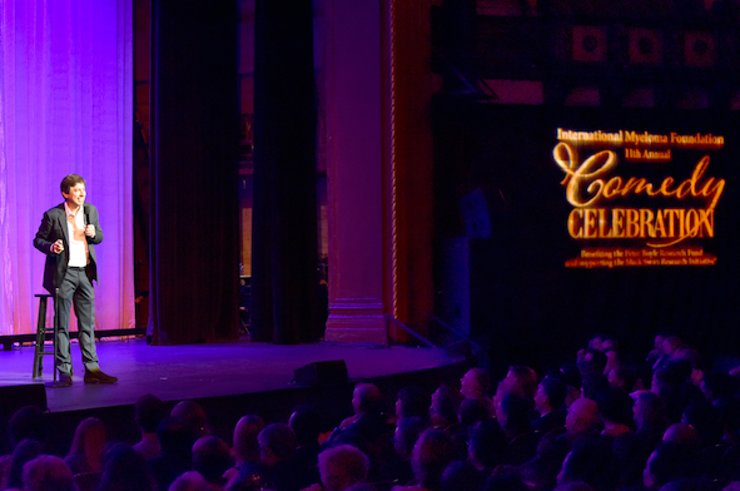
<point>194,242</point>
<point>526,305</point>
<point>285,279</point>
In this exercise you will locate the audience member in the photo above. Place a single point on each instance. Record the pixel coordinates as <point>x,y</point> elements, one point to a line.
<point>88,446</point>
<point>277,446</point>
<point>368,429</point>
<point>246,448</point>
<point>211,459</point>
<point>193,416</point>
<point>445,402</point>
<point>27,422</point>
<point>189,481</point>
<point>412,402</point>
<point>582,418</point>
<point>305,422</point>
<point>25,451</point>
<point>406,434</point>
<point>342,468</point>
<point>47,473</point>
<point>461,475</point>
<point>149,411</point>
<point>549,402</point>
<point>487,446</point>
<point>432,453</point>
<point>176,439</point>
<point>124,469</point>
<point>475,384</point>
<point>669,461</point>
<point>591,461</point>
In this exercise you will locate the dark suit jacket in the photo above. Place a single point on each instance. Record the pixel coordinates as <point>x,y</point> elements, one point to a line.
<point>54,226</point>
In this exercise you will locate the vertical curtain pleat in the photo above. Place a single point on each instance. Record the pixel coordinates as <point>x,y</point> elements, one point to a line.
<point>194,239</point>
<point>285,283</point>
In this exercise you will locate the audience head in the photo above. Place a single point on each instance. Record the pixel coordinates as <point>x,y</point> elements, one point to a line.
<point>514,413</point>
<point>706,419</point>
<point>412,402</point>
<point>305,422</point>
<point>444,405</point>
<point>193,416</point>
<point>277,443</point>
<point>28,422</point>
<point>461,475</point>
<point>475,384</point>
<point>246,446</point>
<point>88,443</point>
<point>582,417</point>
<point>486,445</point>
<point>342,466</point>
<point>190,481</point>
<point>367,399</point>
<point>24,451</point>
<point>550,395</point>
<point>149,411</point>
<point>669,461</point>
<point>591,461</point>
<point>505,478</point>
<point>521,380</point>
<point>176,438</point>
<point>211,458</point>
<point>623,378</point>
<point>124,469</point>
<point>47,473</point>
<point>682,434</point>
<point>591,362</point>
<point>406,434</point>
<point>473,410</point>
<point>670,344</point>
<point>649,412</point>
<point>432,453</point>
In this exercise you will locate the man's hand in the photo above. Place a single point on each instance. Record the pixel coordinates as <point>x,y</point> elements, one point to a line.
<point>57,247</point>
<point>90,231</point>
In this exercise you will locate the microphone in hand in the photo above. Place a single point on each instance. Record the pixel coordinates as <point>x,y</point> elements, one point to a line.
<point>57,247</point>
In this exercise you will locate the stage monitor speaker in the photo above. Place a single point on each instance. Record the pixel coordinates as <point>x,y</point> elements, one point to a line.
<point>332,372</point>
<point>17,396</point>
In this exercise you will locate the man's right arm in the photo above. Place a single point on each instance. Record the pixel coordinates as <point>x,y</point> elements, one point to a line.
<point>42,241</point>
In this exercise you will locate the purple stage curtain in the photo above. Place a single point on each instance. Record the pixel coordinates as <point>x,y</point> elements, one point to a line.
<point>65,106</point>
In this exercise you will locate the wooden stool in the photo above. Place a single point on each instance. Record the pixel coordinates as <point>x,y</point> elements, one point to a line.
<point>41,331</point>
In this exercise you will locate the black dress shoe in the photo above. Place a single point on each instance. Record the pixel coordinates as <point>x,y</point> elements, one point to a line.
<point>97,376</point>
<point>64,381</point>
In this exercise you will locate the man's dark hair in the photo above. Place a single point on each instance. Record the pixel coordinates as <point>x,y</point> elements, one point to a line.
<point>149,411</point>
<point>414,402</point>
<point>70,181</point>
<point>555,390</point>
<point>306,424</point>
<point>28,422</point>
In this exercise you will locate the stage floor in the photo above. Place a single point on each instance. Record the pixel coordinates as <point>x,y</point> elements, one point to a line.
<point>207,370</point>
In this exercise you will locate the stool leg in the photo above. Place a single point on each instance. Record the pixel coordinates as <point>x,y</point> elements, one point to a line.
<point>40,338</point>
<point>56,326</point>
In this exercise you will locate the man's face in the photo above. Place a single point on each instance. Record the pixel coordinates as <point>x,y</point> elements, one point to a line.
<point>76,195</point>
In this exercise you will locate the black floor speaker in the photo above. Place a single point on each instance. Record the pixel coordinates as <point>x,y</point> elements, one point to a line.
<point>14,397</point>
<point>333,372</point>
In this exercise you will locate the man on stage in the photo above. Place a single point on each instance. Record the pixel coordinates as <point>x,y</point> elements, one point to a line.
<point>67,235</point>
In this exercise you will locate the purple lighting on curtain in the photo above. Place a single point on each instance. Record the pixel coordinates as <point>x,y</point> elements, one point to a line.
<point>65,106</point>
